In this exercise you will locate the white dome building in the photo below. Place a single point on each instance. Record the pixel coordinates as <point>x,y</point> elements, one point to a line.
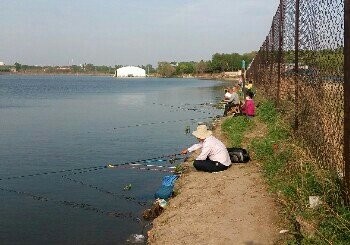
<point>130,71</point>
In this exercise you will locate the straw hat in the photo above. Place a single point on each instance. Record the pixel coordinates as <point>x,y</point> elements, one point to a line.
<point>202,132</point>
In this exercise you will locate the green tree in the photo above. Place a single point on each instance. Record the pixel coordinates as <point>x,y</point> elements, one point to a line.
<point>18,66</point>
<point>185,68</point>
<point>148,68</point>
<point>89,67</point>
<point>76,68</point>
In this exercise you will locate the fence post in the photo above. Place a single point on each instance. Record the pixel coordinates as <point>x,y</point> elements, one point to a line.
<point>272,51</point>
<point>280,43</point>
<point>296,64</point>
<point>267,60</point>
<point>347,98</point>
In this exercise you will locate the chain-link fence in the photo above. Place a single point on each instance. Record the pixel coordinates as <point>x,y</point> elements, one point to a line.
<point>300,65</point>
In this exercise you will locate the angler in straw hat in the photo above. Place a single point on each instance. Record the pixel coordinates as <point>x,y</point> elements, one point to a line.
<point>214,156</point>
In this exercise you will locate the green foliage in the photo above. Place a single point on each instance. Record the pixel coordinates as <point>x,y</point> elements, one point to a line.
<point>18,66</point>
<point>229,62</point>
<point>325,60</point>
<point>76,68</point>
<point>89,67</point>
<point>5,68</point>
<point>185,68</point>
<point>218,63</point>
<point>148,68</point>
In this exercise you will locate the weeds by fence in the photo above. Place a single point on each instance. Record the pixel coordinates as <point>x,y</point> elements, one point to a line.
<point>293,177</point>
<point>300,66</point>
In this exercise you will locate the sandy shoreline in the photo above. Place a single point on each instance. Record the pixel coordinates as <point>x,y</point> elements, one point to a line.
<point>230,207</point>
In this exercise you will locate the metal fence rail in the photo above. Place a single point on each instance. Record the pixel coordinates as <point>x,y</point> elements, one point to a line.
<point>300,66</point>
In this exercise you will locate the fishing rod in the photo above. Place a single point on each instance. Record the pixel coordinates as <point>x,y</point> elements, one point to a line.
<point>200,110</point>
<point>130,166</point>
<point>163,122</point>
<point>88,169</point>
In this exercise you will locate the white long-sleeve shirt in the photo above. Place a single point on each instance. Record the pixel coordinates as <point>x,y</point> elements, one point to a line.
<point>214,149</point>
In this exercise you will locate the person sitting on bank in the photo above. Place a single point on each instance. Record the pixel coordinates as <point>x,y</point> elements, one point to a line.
<point>234,107</point>
<point>232,100</point>
<point>214,156</point>
<point>249,86</point>
<point>248,107</point>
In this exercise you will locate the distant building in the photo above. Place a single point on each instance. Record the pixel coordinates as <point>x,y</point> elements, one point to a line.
<point>2,63</point>
<point>233,73</point>
<point>130,71</point>
<point>174,64</point>
<point>63,68</point>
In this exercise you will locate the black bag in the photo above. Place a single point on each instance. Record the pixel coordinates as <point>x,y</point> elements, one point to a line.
<point>238,155</point>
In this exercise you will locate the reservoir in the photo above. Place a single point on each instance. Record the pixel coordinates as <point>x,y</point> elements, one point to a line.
<point>57,134</point>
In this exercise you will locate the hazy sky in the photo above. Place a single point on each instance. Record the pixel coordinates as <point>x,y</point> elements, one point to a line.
<point>129,32</point>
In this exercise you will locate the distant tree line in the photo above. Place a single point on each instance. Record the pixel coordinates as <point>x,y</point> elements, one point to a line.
<point>72,69</point>
<point>219,63</point>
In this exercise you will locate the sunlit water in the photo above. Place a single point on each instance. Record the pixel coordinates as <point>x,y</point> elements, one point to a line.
<point>54,123</point>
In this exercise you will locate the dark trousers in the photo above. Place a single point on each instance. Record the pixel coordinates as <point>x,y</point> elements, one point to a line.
<point>209,166</point>
<point>228,107</point>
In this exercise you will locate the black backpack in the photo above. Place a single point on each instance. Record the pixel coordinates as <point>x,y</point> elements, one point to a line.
<point>238,155</point>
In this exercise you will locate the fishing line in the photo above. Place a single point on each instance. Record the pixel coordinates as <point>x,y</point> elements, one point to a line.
<point>130,166</point>
<point>163,122</point>
<point>114,194</point>
<point>200,110</point>
<point>149,167</point>
<point>88,169</point>
<point>73,204</point>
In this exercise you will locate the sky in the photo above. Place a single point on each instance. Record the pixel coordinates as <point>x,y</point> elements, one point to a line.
<point>130,32</point>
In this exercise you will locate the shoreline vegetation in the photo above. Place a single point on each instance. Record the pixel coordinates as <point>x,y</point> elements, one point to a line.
<point>266,201</point>
<point>219,65</point>
<point>219,76</point>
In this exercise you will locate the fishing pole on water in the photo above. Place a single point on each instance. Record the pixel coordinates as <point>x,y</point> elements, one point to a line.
<point>102,190</point>
<point>94,168</point>
<point>186,109</point>
<point>163,122</point>
<point>73,204</point>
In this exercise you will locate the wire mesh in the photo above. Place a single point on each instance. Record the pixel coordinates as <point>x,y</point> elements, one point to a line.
<point>301,63</point>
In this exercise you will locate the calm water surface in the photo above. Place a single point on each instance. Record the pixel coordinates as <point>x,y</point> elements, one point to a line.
<point>53,123</point>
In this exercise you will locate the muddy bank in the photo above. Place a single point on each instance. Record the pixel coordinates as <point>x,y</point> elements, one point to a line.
<point>230,207</point>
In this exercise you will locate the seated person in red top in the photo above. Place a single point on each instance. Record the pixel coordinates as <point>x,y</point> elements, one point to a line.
<point>214,156</point>
<point>248,107</point>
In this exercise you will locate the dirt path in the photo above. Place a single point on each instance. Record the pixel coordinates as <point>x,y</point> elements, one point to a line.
<point>229,207</point>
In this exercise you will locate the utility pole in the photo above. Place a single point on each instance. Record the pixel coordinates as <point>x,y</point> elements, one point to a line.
<point>296,64</point>
<point>243,77</point>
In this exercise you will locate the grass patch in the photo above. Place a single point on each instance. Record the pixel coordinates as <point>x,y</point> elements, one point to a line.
<point>235,127</point>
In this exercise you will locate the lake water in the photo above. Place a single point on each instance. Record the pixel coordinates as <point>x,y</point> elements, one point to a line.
<point>54,123</point>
